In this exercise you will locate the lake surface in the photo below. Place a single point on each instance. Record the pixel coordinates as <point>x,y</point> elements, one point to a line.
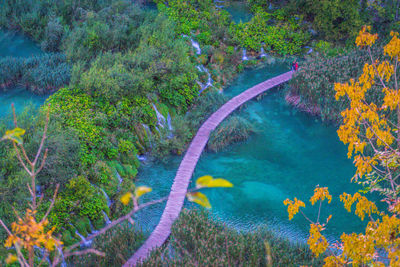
<point>289,155</point>
<point>16,45</point>
<point>239,11</point>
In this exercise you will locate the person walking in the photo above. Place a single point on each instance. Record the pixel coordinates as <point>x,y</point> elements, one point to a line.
<point>296,66</point>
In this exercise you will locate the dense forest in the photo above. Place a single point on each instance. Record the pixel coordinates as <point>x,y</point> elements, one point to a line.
<point>128,82</point>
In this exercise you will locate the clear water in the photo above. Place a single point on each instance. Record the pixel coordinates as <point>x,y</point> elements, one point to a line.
<point>17,45</point>
<point>21,98</point>
<point>239,11</point>
<point>289,155</point>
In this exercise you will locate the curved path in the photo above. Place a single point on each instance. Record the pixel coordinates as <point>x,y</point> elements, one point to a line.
<point>185,171</point>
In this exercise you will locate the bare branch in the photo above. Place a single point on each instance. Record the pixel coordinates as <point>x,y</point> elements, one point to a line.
<point>117,221</point>
<point>21,256</point>
<point>131,221</point>
<point>43,162</point>
<point>51,204</point>
<point>306,217</point>
<point>29,188</point>
<point>25,156</point>
<point>5,227</point>
<point>16,213</point>
<point>20,159</point>
<point>319,211</point>
<point>43,137</point>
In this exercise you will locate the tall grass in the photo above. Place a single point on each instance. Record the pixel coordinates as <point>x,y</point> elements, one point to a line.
<point>313,84</point>
<point>118,244</point>
<point>198,240</point>
<point>39,74</point>
<point>233,129</point>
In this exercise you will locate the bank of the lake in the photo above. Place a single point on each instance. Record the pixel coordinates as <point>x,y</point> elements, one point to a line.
<point>288,156</point>
<point>16,45</point>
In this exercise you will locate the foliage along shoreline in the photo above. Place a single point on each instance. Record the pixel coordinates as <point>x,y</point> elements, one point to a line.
<point>43,74</point>
<point>101,123</point>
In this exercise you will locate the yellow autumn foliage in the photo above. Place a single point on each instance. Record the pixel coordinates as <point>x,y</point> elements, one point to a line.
<point>317,242</point>
<point>209,181</point>
<point>320,193</point>
<point>141,190</point>
<point>126,198</point>
<point>374,141</point>
<point>293,206</point>
<point>199,198</point>
<point>11,258</point>
<point>28,233</point>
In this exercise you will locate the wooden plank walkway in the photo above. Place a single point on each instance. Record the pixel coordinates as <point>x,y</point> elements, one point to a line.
<point>185,171</point>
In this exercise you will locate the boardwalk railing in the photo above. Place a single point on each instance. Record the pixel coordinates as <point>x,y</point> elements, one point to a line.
<point>186,168</point>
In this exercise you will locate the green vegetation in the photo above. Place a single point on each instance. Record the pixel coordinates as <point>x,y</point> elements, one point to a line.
<point>277,32</point>
<point>121,68</point>
<point>118,244</point>
<point>333,20</point>
<point>198,240</point>
<point>314,81</point>
<point>39,74</point>
<point>45,21</point>
<point>233,129</point>
<point>116,67</point>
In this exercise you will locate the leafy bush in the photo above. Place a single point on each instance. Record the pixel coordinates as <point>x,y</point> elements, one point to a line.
<point>62,162</point>
<point>79,200</point>
<point>53,35</point>
<point>271,31</point>
<point>43,20</point>
<point>111,29</point>
<point>234,129</point>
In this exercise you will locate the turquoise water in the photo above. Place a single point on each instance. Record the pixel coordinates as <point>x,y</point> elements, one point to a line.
<point>21,98</point>
<point>17,45</point>
<point>289,155</point>
<point>239,11</point>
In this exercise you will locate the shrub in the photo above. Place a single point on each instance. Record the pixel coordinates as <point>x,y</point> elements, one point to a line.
<point>233,129</point>
<point>272,32</point>
<point>53,35</point>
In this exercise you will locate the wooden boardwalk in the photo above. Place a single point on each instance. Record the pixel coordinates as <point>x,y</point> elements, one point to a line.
<point>188,164</point>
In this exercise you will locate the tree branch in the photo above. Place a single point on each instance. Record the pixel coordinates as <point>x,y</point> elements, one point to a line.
<point>51,204</point>
<point>44,136</point>
<point>117,221</point>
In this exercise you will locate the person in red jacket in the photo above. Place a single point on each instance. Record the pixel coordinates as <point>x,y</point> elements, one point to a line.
<point>295,65</point>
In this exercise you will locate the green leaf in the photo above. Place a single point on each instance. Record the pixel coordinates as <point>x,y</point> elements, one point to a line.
<point>209,181</point>
<point>199,198</point>
<point>14,135</point>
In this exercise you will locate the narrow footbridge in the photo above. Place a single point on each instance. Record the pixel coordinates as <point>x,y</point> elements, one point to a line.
<point>186,168</point>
